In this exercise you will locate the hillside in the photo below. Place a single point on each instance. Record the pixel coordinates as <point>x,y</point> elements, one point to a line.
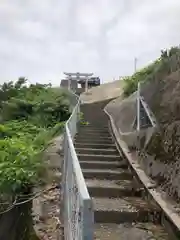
<point>165,144</point>
<point>30,117</point>
<point>160,87</point>
<point>105,91</point>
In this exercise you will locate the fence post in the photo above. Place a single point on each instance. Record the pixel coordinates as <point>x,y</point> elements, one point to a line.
<point>138,116</point>
<point>64,172</point>
<point>88,220</point>
<point>138,107</point>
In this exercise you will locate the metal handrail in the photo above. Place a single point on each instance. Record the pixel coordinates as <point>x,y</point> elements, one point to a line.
<point>140,100</point>
<point>76,203</point>
<point>148,112</point>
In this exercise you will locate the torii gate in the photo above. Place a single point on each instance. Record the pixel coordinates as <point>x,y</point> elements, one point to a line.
<point>78,76</point>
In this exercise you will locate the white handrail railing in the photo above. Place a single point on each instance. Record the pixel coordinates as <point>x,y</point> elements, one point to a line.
<point>77,209</point>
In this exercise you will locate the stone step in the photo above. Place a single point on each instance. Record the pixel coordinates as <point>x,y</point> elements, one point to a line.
<point>124,209</point>
<point>111,189</point>
<point>94,126</point>
<point>94,157</point>
<point>128,231</point>
<point>107,174</point>
<point>103,165</point>
<point>98,121</point>
<point>93,135</point>
<point>93,140</point>
<point>96,151</point>
<point>93,131</point>
<point>95,145</point>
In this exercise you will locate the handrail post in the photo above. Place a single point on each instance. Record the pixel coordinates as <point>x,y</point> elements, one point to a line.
<point>86,84</point>
<point>88,220</point>
<point>64,172</point>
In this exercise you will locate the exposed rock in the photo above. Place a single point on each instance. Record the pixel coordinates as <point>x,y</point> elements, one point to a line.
<point>164,149</point>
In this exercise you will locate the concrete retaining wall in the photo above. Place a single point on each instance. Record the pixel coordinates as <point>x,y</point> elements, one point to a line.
<point>123,113</point>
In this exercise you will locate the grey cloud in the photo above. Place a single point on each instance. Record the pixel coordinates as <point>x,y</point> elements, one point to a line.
<point>43,39</point>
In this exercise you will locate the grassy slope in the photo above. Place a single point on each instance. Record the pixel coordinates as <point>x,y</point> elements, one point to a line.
<point>30,119</point>
<point>161,91</point>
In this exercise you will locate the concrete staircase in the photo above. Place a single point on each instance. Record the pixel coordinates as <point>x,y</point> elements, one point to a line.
<point>120,211</point>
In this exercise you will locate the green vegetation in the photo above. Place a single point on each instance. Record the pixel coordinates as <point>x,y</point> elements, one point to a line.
<point>29,118</point>
<point>168,62</point>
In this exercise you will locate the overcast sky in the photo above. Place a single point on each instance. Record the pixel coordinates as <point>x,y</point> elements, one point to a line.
<point>41,39</point>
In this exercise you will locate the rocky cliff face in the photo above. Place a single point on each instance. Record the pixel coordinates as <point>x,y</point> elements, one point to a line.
<point>161,159</point>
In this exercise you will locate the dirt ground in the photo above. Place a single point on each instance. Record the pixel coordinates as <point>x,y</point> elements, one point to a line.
<point>46,208</point>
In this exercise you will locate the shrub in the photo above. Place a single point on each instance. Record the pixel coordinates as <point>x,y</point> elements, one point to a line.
<point>168,62</point>
<point>30,118</point>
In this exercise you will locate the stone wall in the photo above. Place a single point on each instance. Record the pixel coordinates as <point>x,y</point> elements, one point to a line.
<point>123,113</point>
